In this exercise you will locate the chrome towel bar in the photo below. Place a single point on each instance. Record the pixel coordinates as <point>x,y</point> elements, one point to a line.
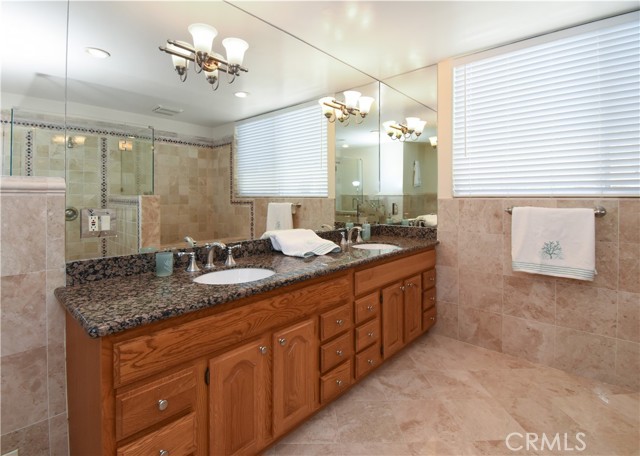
<point>598,211</point>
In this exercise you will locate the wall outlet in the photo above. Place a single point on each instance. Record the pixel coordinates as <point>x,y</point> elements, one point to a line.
<point>94,224</point>
<point>11,453</point>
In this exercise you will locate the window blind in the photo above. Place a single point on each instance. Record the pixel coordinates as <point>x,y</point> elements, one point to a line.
<point>560,118</point>
<point>282,154</point>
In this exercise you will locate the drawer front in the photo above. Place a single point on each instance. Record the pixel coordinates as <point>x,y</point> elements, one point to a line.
<point>335,321</point>
<point>429,298</point>
<point>177,438</point>
<point>367,307</point>
<point>335,382</point>
<point>429,279</point>
<point>141,356</point>
<point>367,334</point>
<point>153,402</point>
<point>429,318</point>
<point>368,360</point>
<point>374,277</point>
<point>334,352</point>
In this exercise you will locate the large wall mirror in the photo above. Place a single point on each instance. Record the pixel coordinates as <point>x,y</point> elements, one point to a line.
<point>134,138</point>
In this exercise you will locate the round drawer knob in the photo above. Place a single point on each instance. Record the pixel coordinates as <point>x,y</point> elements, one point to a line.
<point>340,322</point>
<point>263,350</point>
<point>432,278</point>
<point>371,362</point>
<point>163,404</point>
<point>339,352</point>
<point>282,341</point>
<point>371,334</point>
<point>163,453</point>
<point>370,308</point>
<point>339,382</point>
<point>402,288</point>
<point>433,298</point>
<point>432,318</point>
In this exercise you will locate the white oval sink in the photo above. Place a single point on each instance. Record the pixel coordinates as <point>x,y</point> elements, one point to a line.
<point>234,276</point>
<point>373,246</point>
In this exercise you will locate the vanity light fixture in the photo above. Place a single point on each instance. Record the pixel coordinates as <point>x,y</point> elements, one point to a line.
<point>333,109</point>
<point>402,132</point>
<point>433,140</point>
<point>204,59</point>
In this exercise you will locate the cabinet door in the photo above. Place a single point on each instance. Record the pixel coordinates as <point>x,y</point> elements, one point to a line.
<point>295,375</point>
<point>412,308</point>
<point>238,399</point>
<point>392,318</point>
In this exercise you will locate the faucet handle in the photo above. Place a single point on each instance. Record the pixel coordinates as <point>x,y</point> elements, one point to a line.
<point>192,266</point>
<point>230,260</point>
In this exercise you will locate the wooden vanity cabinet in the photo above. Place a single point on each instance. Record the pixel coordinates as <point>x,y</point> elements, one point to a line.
<point>232,379</point>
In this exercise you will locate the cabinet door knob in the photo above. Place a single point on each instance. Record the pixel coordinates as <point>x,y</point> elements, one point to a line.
<point>371,362</point>
<point>339,352</point>
<point>263,350</point>
<point>163,453</point>
<point>432,278</point>
<point>163,404</point>
<point>370,334</point>
<point>340,322</point>
<point>339,382</point>
<point>433,298</point>
<point>282,341</point>
<point>432,318</point>
<point>402,287</point>
<point>370,308</point>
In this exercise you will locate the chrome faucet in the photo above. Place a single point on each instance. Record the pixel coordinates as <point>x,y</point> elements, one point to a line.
<point>350,232</point>
<point>230,261</point>
<point>209,248</point>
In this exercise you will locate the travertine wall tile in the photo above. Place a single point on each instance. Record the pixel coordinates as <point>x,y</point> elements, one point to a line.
<point>629,279</point>
<point>531,340</point>
<point>630,220</point>
<point>628,364</point>
<point>481,215</point>
<point>532,299</point>
<point>585,354</point>
<point>628,325</point>
<point>480,328</point>
<point>447,250</point>
<point>587,309</point>
<point>480,251</point>
<point>480,290</point>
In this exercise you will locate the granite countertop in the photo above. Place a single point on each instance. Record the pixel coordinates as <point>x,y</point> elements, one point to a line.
<point>113,305</point>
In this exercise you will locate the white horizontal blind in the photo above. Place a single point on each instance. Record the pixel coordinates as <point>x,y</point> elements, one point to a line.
<point>554,119</point>
<point>283,154</point>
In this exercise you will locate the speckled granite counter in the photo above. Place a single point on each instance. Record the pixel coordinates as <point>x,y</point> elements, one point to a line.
<point>112,305</point>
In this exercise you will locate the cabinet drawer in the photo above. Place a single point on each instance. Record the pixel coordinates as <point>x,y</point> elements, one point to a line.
<point>429,318</point>
<point>373,278</point>
<point>335,382</point>
<point>335,322</point>
<point>334,352</point>
<point>367,334</point>
<point>368,360</point>
<point>177,438</point>
<point>429,298</point>
<point>153,402</point>
<point>429,279</point>
<point>367,307</point>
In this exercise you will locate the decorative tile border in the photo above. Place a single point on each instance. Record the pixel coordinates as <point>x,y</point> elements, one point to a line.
<point>28,157</point>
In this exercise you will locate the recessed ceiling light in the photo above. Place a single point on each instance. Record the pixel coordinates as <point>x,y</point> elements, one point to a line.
<point>345,146</point>
<point>241,94</point>
<point>97,53</point>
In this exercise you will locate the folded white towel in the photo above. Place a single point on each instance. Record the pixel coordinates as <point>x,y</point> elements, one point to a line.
<point>555,242</point>
<point>427,220</point>
<point>279,216</point>
<point>300,242</point>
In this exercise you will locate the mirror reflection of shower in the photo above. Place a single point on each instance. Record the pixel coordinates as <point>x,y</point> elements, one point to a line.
<point>349,188</point>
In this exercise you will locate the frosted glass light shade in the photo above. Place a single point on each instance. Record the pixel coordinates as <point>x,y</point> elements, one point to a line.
<point>203,36</point>
<point>420,126</point>
<point>178,62</point>
<point>412,122</point>
<point>327,111</point>
<point>235,50</point>
<point>364,104</point>
<point>351,98</point>
<point>387,127</point>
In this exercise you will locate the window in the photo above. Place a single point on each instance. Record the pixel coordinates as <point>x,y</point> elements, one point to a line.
<point>553,116</point>
<point>283,154</point>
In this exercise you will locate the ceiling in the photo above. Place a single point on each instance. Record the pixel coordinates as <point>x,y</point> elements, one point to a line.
<point>298,50</point>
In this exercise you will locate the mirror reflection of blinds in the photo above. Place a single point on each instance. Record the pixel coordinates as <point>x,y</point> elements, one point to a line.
<point>559,118</point>
<point>282,154</point>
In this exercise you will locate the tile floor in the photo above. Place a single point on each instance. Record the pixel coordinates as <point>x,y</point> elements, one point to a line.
<point>441,396</point>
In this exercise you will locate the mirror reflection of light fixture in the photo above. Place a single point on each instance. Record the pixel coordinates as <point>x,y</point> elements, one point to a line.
<point>433,140</point>
<point>125,146</point>
<point>333,109</point>
<point>402,132</point>
<point>203,58</point>
<point>69,141</point>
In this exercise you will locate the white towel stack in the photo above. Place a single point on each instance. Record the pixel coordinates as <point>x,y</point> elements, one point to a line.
<point>279,216</point>
<point>300,243</point>
<point>555,242</point>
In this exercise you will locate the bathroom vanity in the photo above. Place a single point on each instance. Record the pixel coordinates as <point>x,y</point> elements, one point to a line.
<point>250,364</point>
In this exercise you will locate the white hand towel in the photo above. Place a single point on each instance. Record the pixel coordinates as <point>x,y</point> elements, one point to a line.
<point>417,178</point>
<point>279,216</point>
<point>555,242</point>
<point>300,243</point>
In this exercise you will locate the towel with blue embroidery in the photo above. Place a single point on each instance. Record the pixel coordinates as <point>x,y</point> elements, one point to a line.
<point>554,241</point>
